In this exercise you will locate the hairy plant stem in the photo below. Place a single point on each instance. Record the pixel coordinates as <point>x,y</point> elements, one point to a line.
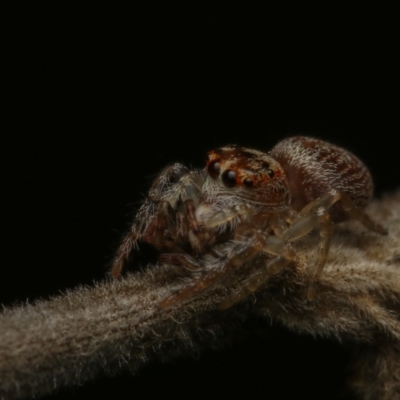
<point>72,338</point>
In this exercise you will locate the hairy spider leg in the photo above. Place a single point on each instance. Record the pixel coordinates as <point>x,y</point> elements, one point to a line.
<point>124,250</point>
<point>286,254</point>
<point>172,184</point>
<point>317,213</point>
<point>240,254</point>
<point>181,259</point>
<point>314,214</point>
<point>153,233</point>
<point>360,215</point>
<point>273,267</point>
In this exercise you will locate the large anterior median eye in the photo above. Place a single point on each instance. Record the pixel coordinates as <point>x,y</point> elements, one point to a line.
<point>229,178</point>
<point>214,168</point>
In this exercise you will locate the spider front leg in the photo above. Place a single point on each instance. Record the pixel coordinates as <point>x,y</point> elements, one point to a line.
<point>174,184</point>
<point>149,226</point>
<point>239,254</point>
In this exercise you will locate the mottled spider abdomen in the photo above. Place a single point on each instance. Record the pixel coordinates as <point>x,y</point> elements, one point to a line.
<point>314,167</point>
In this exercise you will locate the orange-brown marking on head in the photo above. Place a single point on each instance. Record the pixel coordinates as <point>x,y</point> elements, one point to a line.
<point>259,176</point>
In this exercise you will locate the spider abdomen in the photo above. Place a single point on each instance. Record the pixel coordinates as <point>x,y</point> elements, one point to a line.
<point>314,167</point>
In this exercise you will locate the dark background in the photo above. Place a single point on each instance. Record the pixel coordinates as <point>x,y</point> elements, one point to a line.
<point>102,98</point>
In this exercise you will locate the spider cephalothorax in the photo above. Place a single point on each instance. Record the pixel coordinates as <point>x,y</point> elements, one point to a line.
<point>250,175</point>
<point>256,201</point>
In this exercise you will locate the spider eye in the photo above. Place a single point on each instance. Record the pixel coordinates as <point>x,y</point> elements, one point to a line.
<point>270,173</point>
<point>214,168</point>
<point>265,165</point>
<point>229,178</point>
<point>248,182</point>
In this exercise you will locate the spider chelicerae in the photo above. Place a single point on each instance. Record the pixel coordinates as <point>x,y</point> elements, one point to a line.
<point>258,202</point>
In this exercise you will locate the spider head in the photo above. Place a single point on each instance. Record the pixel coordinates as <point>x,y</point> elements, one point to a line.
<point>246,175</point>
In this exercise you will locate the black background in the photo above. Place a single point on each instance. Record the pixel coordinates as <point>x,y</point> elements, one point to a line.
<point>102,98</point>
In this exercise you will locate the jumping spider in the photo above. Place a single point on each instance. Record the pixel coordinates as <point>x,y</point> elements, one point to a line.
<point>258,202</point>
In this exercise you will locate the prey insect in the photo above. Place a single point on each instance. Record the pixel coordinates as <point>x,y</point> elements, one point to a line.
<point>258,202</point>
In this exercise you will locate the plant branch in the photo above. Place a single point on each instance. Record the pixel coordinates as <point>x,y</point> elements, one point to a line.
<point>117,324</point>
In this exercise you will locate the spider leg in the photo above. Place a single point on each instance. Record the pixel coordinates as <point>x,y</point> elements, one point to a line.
<point>243,252</point>
<point>329,199</point>
<point>304,223</point>
<point>325,233</point>
<point>317,213</point>
<point>273,267</point>
<point>122,256</point>
<point>359,215</point>
<point>152,232</point>
<point>182,227</point>
<point>167,187</point>
<point>240,254</point>
<point>182,259</point>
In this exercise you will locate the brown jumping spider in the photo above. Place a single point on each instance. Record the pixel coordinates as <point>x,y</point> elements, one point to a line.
<point>258,202</point>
